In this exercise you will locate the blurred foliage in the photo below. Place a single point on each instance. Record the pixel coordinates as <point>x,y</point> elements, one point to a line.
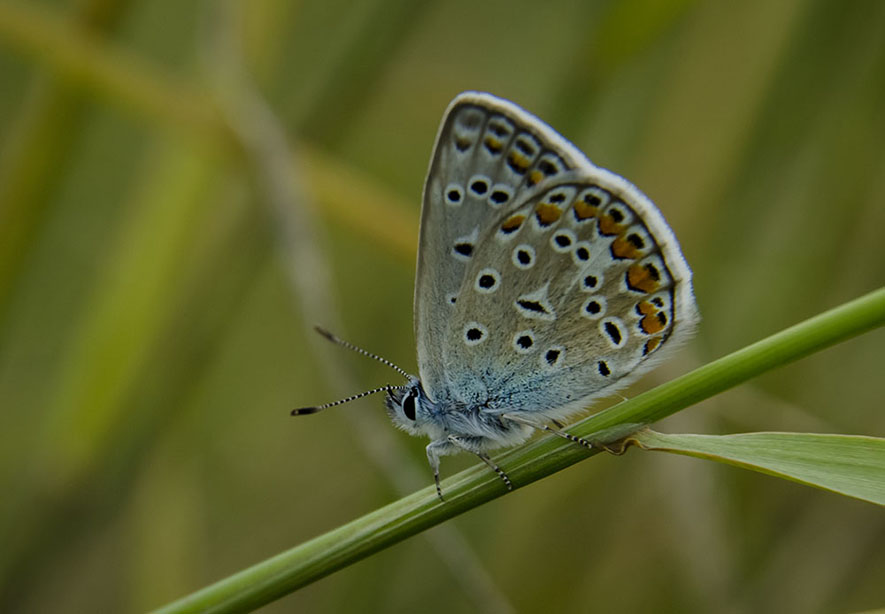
<point>155,309</point>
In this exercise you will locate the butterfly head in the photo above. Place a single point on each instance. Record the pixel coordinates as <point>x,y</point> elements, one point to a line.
<point>409,407</point>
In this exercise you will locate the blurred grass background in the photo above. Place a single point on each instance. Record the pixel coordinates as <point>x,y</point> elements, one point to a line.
<point>185,188</point>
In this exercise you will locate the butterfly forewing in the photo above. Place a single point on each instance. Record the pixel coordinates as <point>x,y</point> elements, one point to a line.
<point>489,156</point>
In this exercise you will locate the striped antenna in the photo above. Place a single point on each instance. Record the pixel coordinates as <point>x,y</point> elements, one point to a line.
<point>303,411</point>
<point>358,350</point>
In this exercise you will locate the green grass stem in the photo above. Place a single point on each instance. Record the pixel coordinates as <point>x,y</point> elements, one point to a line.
<point>343,546</point>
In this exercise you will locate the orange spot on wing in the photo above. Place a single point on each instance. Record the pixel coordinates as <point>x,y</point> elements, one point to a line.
<point>518,162</point>
<point>652,324</point>
<point>535,176</point>
<point>651,345</point>
<point>622,248</point>
<point>646,308</point>
<point>547,213</point>
<point>642,278</point>
<point>584,210</point>
<point>608,225</point>
<point>512,223</point>
<point>461,143</point>
<point>493,144</point>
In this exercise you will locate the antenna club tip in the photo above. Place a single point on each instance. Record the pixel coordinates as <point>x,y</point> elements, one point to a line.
<point>303,411</point>
<point>324,332</point>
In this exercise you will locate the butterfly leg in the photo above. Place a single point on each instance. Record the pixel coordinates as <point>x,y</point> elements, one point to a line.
<point>433,452</point>
<point>543,427</point>
<point>464,445</point>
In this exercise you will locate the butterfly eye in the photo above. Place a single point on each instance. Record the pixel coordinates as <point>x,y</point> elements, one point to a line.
<point>409,406</point>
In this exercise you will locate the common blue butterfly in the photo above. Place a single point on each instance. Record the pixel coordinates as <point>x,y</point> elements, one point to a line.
<point>543,282</point>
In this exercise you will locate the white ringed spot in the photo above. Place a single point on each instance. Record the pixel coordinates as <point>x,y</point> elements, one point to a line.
<point>614,331</point>
<point>552,357</point>
<point>593,308</point>
<point>500,195</point>
<point>453,194</point>
<point>563,240</point>
<point>524,341</point>
<point>487,281</point>
<point>479,185</point>
<point>475,333</point>
<point>523,256</point>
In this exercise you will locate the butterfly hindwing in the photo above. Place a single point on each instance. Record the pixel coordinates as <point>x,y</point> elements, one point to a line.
<point>570,294</point>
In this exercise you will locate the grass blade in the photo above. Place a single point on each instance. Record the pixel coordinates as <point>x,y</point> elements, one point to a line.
<point>851,465</point>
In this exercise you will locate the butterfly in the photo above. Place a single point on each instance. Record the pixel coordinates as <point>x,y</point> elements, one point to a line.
<point>543,282</point>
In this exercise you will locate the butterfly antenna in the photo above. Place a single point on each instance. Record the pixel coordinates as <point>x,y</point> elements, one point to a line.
<point>303,411</point>
<point>359,350</point>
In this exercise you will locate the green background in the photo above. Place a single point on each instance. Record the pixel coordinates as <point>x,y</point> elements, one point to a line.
<point>185,188</point>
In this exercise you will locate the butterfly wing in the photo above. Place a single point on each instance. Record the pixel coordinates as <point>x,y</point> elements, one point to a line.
<point>570,294</point>
<point>489,154</point>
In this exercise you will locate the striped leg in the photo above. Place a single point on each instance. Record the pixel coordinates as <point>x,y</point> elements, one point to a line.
<point>543,427</point>
<point>458,441</point>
